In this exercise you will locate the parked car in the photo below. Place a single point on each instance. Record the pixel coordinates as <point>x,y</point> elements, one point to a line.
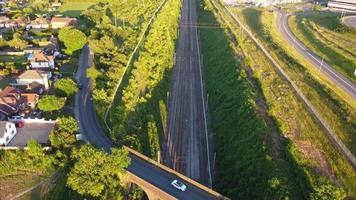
<point>19,116</point>
<point>179,185</point>
<point>19,124</point>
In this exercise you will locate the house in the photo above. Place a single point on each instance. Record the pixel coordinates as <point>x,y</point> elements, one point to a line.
<point>30,76</point>
<point>50,46</point>
<point>11,24</point>
<point>38,23</point>
<point>22,21</point>
<point>42,61</point>
<point>13,100</point>
<point>3,21</point>
<point>32,50</point>
<point>7,132</point>
<point>59,22</point>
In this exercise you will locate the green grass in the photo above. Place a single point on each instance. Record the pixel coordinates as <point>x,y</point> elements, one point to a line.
<point>338,113</point>
<point>246,165</point>
<point>328,38</point>
<point>10,58</point>
<point>74,8</point>
<point>5,81</point>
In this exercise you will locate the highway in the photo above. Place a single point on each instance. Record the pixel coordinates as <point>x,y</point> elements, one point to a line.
<point>337,78</point>
<point>91,129</point>
<point>186,148</point>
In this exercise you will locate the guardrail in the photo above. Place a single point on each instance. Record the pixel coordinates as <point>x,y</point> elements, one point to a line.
<point>181,176</point>
<point>330,133</point>
<point>130,60</point>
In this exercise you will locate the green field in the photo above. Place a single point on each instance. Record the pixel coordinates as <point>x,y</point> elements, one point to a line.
<point>75,8</point>
<point>251,160</point>
<point>327,37</point>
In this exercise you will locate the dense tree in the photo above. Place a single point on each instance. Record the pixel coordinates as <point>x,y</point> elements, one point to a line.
<point>65,132</point>
<point>50,103</point>
<point>326,191</point>
<point>17,42</point>
<point>65,87</point>
<point>28,11</point>
<point>3,43</point>
<point>97,173</point>
<point>72,38</point>
<point>153,138</point>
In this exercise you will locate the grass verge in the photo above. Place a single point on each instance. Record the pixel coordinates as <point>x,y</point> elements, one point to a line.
<point>294,120</point>
<point>327,37</point>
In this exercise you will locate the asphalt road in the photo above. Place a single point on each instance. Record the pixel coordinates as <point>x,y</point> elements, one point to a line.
<point>350,21</point>
<point>90,127</point>
<point>186,149</point>
<point>337,78</point>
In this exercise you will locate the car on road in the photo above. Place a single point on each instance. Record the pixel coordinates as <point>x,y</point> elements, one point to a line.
<point>19,124</point>
<point>80,86</point>
<point>179,185</point>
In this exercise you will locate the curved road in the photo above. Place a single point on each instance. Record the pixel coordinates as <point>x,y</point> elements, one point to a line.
<point>91,129</point>
<point>337,78</point>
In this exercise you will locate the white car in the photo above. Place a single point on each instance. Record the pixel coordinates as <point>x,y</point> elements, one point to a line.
<point>179,185</point>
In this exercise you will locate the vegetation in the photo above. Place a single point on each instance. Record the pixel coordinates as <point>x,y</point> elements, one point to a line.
<point>98,174</point>
<point>32,160</point>
<point>17,42</point>
<point>327,37</point>
<point>72,38</point>
<point>113,45</point>
<point>49,103</point>
<point>309,142</point>
<point>64,133</point>
<point>65,87</point>
<point>245,162</point>
<point>74,8</point>
<point>136,116</point>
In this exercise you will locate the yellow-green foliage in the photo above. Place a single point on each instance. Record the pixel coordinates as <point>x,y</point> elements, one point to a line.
<point>137,112</point>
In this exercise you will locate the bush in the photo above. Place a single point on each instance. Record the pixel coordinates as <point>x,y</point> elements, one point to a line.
<point>72,38</point>
<point>49,103</point>
<point>65,132</point>
<point>65,87</point>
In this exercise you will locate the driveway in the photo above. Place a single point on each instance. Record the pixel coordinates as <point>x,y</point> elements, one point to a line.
<point>36,131</point>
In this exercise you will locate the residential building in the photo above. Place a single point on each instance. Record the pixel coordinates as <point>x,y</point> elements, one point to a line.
<point>7,132</point>
<point>22,21</point>
<point>59,22</point>
<point>30,76</point>
<point>42,61</point>
<point>39,23</point>
<point>13,100</point>
<point>3,21</point>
